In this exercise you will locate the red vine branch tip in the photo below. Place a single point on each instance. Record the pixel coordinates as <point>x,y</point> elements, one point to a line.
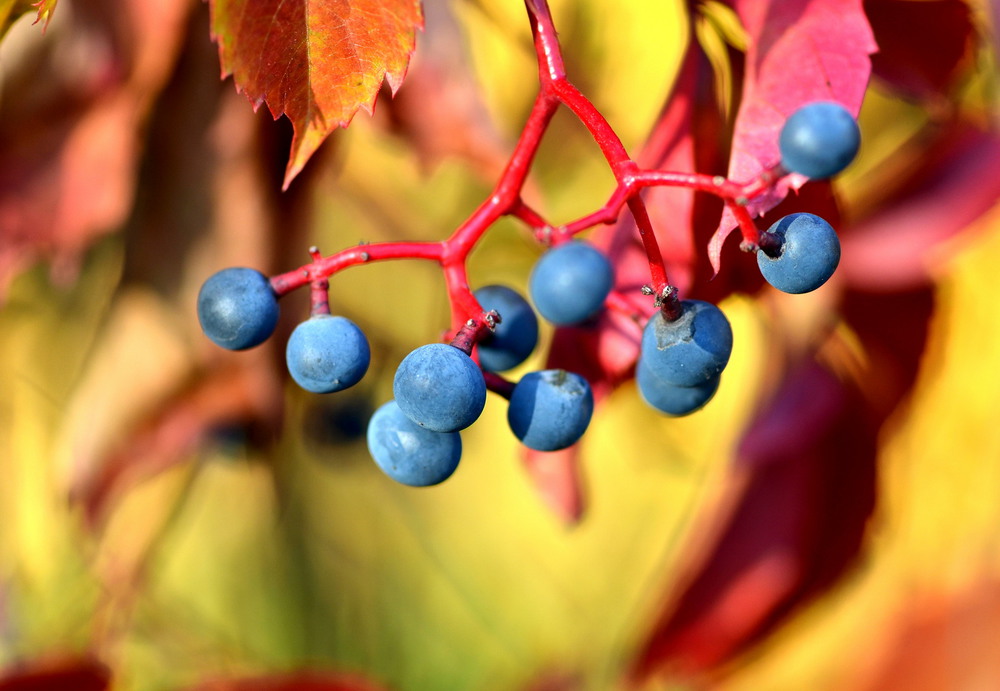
<point>474,330</point>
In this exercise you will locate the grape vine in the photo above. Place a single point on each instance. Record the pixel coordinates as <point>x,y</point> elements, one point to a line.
<point>442,389</point>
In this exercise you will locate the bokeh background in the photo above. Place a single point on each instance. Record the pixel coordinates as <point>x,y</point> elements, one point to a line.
<point>176,516</point>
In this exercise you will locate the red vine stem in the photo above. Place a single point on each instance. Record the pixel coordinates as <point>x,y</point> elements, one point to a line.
<point>555,90</point>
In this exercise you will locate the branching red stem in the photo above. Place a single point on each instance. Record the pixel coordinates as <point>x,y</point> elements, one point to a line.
<point>554,91</point>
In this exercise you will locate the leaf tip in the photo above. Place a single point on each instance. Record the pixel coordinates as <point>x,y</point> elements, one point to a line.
<point>556,476</point>
<point>715,247</point>
<point>45,9</point>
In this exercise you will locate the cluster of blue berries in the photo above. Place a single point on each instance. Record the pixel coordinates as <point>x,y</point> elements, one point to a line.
<point>439,389</point>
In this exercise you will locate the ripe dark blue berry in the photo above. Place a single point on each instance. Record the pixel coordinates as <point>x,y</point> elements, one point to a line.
<point>439,387</point>
<point>690,350</point>
<point>515,337</point>
<point>327,354</point>
<point>819,140</point>
<point>409,453</point>
<point>570,282</point>
<point>670,399</point>
<point>807,256</point>
<point>237,308</point>
<point>550,410</point>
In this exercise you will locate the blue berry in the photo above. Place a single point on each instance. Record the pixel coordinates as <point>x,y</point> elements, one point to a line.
<point>819,140</point>
<point>690,350</point>
<point>237,308</point>
<point>439,387</point>
<point>808,254</point>
<point>409,453</point>
<point>327,354</point>
<point>515,337</point>
<point>570,282</point>
<point>670,399</point>
<point>550,410</point>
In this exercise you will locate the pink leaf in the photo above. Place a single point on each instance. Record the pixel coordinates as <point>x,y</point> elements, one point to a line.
<point>556,475</point>
<point>896,247</point>
<point>799,51</point>
<point>789,531</point>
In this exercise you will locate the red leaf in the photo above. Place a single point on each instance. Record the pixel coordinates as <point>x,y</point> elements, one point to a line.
<point>797,519</point>
<point>228,395</point>
<point>316,62</point>
<point>63,121</point>
<point>799,51</point>
<point>953,185</point>
<point>291,681</point>
<point>903,59</point>
<point>556,475</point>
<point>69,674</point>
<point>791,530</point>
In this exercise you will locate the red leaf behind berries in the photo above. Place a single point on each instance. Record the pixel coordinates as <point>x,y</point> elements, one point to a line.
<point>903,60</point>
<point>291,681</point>
<point>61,674</point>
<point>799,51</point>
<point>951,185</point>
<point>796,520</point>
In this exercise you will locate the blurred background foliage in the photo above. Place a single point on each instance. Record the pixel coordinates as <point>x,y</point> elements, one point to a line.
<point>172,515</point>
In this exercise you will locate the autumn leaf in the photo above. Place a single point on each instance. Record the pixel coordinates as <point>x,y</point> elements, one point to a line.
<point>789,533</point>
<point>903,60</point>
<point>317,63</point>
<point>78,673</point>
<point>241,537</point>
<point>798,52</point>
<point>296,681</point>
<point>949,188</point>
<point>12,10</point>
<point>45,10</point>
<point>70,146</point>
